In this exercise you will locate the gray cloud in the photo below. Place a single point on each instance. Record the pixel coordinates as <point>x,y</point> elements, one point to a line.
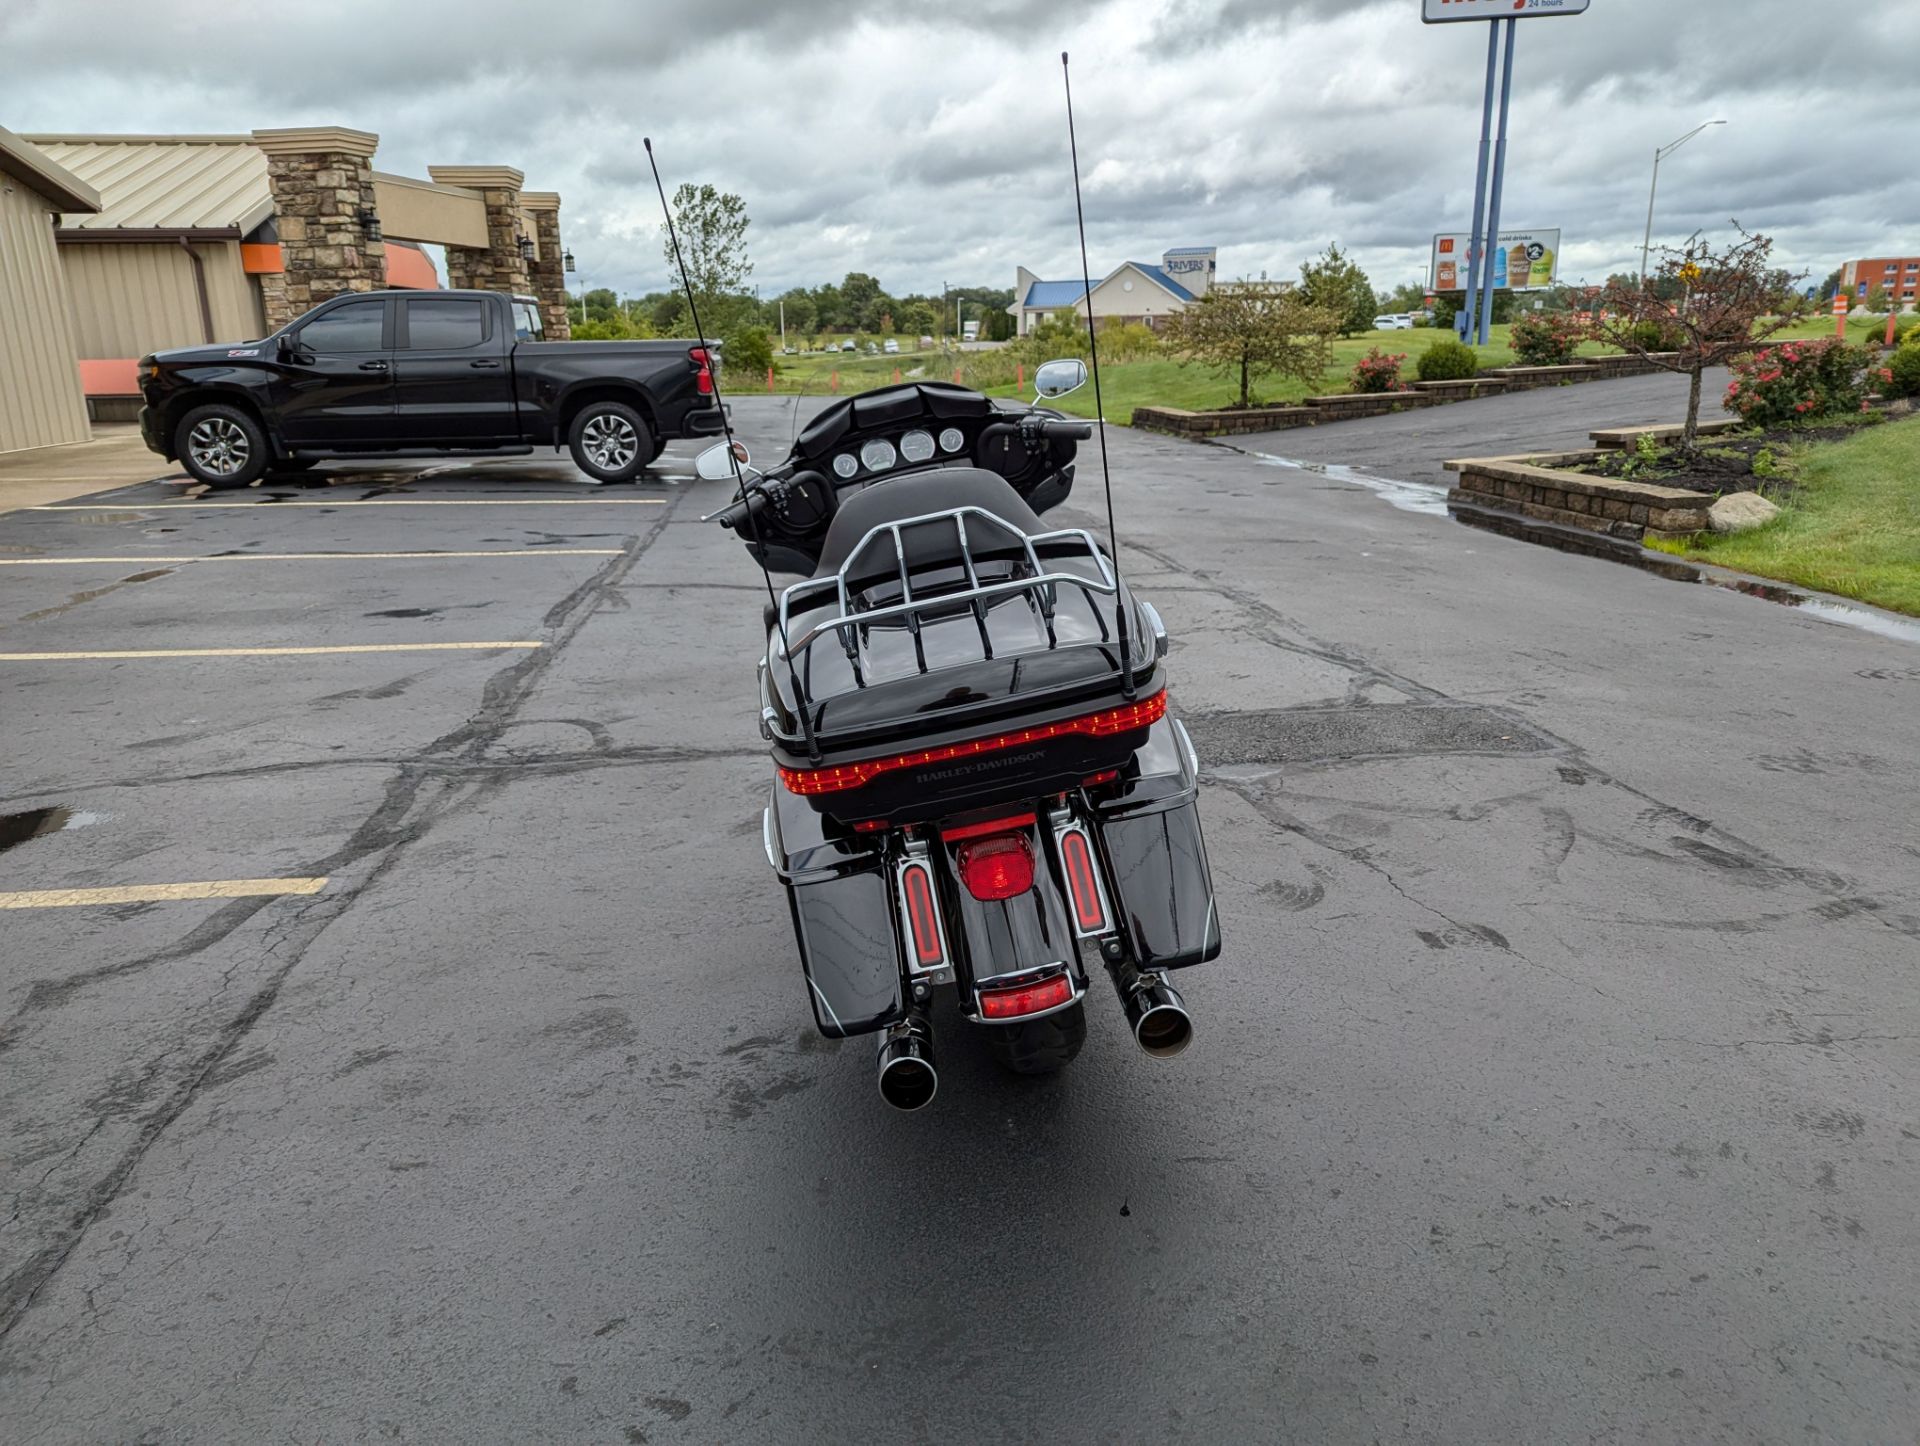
<point>924,141</point>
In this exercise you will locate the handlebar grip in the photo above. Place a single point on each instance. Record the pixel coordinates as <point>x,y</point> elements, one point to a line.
<point>752,505</point>
<point>1078,431</point>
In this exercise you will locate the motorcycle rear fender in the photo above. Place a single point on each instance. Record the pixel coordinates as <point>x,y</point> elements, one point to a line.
<point>844,920</point>
<point>1001,939</point>
<point>1155,858</point>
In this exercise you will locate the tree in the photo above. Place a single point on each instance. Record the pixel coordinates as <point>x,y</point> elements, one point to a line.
<point>1408,296</point>
<point>1878,301</point>
<point>1258,328</point>
<point>1335,284</point>
<point>1832,283</point>
<point>914,318</point>
<point>746,353</point>
<point>1730,302</point>
<point>712,225</point>
<point>859,294</point>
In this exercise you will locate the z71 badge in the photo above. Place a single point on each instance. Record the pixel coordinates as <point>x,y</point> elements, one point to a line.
<point>245,351</point>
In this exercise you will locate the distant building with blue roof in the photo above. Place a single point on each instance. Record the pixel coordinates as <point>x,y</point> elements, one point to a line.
<point>1135,291</point>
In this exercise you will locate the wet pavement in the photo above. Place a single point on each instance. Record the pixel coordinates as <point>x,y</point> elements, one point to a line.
<point>1557,1082</point>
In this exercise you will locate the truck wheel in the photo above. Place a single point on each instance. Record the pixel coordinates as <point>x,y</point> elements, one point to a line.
<point>610,441</point>
<point>1040,1046</point>
<point>221,446</point>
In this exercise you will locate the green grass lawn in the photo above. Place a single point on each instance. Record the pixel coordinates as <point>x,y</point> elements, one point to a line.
<point>1160,381</point>
<point>1851,526</point>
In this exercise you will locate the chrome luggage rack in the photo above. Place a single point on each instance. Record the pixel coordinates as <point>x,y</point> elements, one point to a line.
<point>1040,583</point>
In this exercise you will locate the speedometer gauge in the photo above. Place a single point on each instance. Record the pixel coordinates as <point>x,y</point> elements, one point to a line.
<point>951,440</point>
<point>844,465</point>
<point>878,455</point>
<point>917,446</point>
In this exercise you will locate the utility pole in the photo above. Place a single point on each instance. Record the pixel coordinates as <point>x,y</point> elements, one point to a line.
<point>1646,242</point>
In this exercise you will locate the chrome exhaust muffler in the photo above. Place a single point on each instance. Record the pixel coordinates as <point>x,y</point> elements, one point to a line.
<point>1155,1012</point>
<point>907,1077</point>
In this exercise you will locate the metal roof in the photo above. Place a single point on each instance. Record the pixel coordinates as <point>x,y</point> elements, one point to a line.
<point>1190,251</point>
<point>1154,273</point>
<point>1055,293</point>
<point>38,169</point>
<point>166,183</point>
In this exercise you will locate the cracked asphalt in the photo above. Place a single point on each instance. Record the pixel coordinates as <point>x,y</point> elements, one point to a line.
<point>1557,1082</point>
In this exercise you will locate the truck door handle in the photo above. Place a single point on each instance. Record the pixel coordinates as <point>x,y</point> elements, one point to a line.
<point>373,366</point>
<point>484,365</point>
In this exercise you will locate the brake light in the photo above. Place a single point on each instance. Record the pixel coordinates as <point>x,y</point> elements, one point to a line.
<point>1104,724</point>
<point>997,868</point>
<point>703,382</point>
<point>922,922</point>
<point>1024,999</point>
<point>1088,912</point>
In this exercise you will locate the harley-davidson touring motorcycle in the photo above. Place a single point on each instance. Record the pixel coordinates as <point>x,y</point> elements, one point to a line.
<point>978,784</point>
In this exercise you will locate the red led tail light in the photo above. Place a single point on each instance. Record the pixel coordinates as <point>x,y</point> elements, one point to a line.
<point>1025,999</point>
<point>1104,724</point>
<point>997,868</point>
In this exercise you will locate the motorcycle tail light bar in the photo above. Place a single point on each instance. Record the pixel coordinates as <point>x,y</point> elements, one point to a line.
<point>838,778</point>
<point>1018,1001</point>
<point>1084,892</point>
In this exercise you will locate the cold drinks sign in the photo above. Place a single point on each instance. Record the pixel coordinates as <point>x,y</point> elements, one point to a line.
<point>1436,12</point>
<point>1524,261</point>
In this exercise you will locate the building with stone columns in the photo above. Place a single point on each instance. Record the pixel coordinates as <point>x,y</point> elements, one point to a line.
<point>207,238</point>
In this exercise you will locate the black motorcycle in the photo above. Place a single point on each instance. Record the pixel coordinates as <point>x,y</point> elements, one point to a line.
<point>976,770</point>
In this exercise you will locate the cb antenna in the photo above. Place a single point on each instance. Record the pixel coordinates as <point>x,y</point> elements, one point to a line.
<point>1121,606</point>
<point>733,460</point>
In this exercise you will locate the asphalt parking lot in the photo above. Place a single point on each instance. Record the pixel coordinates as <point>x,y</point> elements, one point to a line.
<point>403,1040</point>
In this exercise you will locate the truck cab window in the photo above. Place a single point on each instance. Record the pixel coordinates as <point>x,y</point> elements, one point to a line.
<point>444,324</point>
<point>526,321</point>
<point>358,326</point>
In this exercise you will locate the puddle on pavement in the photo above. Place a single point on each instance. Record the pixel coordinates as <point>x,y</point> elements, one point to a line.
<point>1419,497</point>
<point>1899,629</point>
<point>19,828</point>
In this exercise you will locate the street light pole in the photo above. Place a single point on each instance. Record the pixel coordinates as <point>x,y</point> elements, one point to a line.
<point>1660,155</point>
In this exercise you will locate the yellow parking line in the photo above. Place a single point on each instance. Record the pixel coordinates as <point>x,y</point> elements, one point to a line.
<point>159,893</point>
<point>317,556</point>
<point>262,652</point>
<point>376,502</point>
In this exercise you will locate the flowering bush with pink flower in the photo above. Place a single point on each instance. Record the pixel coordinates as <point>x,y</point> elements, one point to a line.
<point>1378,371</point>
<point>1797,381</point>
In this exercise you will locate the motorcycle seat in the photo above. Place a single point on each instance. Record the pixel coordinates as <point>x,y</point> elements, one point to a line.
<point>934,544</point>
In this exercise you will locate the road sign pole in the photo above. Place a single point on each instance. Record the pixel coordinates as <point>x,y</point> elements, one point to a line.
<point>1499,182</point>
<point>1480,180</point>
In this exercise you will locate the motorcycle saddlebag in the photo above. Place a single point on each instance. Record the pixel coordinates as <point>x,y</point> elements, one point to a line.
<point>844,922</point>
<point>1156,858</point>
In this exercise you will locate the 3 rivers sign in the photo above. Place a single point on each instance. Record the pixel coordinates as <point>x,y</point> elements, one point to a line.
<point>1437,12</point>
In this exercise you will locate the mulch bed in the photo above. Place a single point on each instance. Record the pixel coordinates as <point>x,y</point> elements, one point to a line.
<point>1722,464</point>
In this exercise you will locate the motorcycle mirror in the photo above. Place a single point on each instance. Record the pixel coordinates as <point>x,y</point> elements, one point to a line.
<point>712,465</point>
<point>1057,378</point>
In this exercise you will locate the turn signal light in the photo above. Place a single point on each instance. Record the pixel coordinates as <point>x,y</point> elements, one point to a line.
<point>922,919</point>
<point>1024,999</point>
<point>997,868</point>
<point>1104,724</point>
<point>1081,884</point>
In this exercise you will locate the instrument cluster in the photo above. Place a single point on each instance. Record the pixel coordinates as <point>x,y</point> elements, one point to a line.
<point>879,454</point>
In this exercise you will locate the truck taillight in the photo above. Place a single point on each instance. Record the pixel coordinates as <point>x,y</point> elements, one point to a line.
<point>704,381</point>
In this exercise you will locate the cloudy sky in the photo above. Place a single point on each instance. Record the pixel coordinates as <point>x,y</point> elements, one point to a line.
<point>924,140</point>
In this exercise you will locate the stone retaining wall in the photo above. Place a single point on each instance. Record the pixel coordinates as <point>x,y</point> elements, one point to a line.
<point>1180,422</point>
<point>1534,487</point>
<point>1617,439</point>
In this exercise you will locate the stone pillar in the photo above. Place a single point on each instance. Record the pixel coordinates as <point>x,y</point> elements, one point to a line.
<point>498,267</point>
<point>549,269</point>
<point>322,183</point>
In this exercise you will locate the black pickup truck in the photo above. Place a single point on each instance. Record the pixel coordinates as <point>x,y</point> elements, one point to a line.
<point>421,373</point>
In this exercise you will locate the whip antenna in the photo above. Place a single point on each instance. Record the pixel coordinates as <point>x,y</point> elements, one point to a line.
<point>1121,607</point>
<point>733,460</point>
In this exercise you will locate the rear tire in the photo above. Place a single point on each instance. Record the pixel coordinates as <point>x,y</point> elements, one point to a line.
<point>221,446</point>
<point>610,441</point>
<point>1039,1046</point>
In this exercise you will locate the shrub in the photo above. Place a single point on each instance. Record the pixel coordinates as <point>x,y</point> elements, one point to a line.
<point>1796,382</point>
<point>1546,338</point>
<point>1902,372</point>
<point>1378,371</point>
<point>1657,336</point>
<point>746,353</point>
<point>1448,361</point>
